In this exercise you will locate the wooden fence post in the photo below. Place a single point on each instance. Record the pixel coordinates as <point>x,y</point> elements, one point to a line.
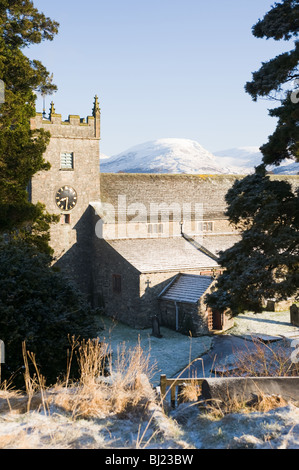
<point>172,396</point>
<point>163,386</point>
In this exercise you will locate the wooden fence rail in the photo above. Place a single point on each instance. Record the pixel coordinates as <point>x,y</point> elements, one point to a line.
<point>173,385</point>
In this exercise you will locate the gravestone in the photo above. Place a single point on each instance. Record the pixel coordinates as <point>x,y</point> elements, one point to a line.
<point>156,327</point>
<point>294,311</point>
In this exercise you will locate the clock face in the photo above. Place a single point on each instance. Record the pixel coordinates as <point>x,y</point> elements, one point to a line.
<point>66,198</point>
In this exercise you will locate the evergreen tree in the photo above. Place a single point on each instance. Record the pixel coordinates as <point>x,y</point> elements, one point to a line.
<point>21,149</point>
<point>39,306</point>
<point>264,263</point>
<point>278,79</point>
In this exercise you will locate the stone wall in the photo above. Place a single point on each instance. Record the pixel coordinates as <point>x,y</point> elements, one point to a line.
<point>169,189</point>
<point>152,284</point>
<point>136,229</point>
<point>70,238</point>
<point>124,306</point>
<point>137,303</point>
<point>155,189</point>
<point>192,319</point>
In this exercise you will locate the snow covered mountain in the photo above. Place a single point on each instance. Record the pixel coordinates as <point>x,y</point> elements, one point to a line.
<point>247,158</point>
<point>292,168</point>
<point>166,156</point>
<point>188,156</point>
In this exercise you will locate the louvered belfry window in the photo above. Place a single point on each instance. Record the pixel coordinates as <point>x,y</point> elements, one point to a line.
<point>67,161</point>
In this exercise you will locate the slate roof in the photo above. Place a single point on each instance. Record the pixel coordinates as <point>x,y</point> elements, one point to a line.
<point>218,242</point>
<point>187,288</point>
<point>162,254</point>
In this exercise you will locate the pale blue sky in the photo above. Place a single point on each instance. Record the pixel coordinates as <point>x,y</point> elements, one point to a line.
<point>161,68</point>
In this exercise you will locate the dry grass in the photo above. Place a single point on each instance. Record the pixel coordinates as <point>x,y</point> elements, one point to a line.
<point>230,404</point>
<point>126,387</point>
<point>190,391</point>
<point>7,441</point>
<point>125,392</point>
<point>217,409</point>
<point>265,361</point>
<point>18,402</point>
<point>35,386</point>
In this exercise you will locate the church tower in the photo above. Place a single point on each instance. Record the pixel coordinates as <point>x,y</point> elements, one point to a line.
<point>69,186</point>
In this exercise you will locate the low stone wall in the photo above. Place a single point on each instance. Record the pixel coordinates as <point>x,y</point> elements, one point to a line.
<point>245,388</point>
<point>191,320</point>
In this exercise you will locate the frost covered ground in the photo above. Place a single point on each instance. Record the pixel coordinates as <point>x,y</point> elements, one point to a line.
<point>151,425</point>
<point>185,428</point>
<point>173,352</point>
<point>269,323</point>
<point>167,355</point>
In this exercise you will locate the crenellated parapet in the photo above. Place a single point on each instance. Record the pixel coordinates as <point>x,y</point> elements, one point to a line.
<point>73,127</point>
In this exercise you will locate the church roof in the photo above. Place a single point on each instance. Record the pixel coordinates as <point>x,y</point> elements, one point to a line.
<point>162,254</point>
<point>187,288</point>
<point>218,242</point>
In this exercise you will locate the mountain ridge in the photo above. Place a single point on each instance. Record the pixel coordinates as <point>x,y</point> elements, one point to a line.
<point>175,155</point>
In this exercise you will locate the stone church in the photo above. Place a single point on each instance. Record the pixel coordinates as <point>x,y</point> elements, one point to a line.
<point>141,246</point>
